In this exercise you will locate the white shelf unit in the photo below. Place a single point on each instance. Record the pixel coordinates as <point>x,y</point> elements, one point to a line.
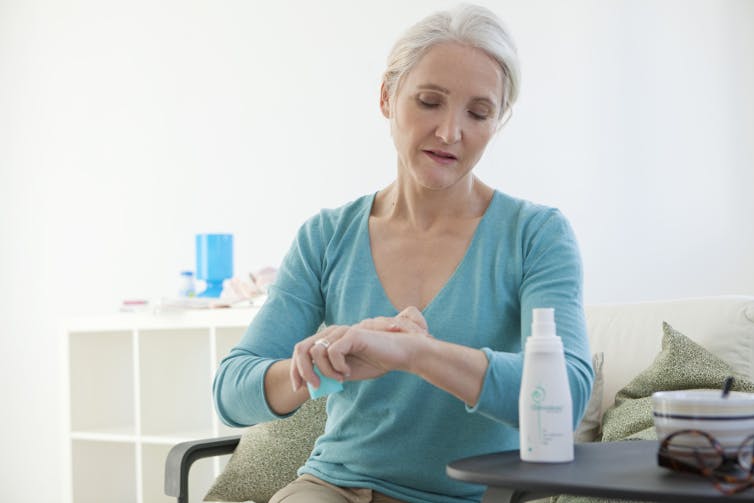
<point>136,384</point>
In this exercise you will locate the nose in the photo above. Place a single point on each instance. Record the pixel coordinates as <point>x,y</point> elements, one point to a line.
<point>449,129</point>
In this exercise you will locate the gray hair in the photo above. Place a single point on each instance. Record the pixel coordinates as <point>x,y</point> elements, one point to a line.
<point>470,25</point>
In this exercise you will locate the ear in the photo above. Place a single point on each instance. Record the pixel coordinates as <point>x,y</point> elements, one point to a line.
<point>384,100</point>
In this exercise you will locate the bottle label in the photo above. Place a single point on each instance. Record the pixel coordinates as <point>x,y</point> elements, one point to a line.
<point>542,410</point>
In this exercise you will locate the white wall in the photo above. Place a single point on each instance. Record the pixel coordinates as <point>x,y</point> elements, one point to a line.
<point>127,127</point>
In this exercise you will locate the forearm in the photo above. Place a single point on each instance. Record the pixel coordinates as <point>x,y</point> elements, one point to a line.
<point>278,389</point>
<point>457,369</point>
<point>244,384</point>
<point>238,389</point>
<point>499,397</point>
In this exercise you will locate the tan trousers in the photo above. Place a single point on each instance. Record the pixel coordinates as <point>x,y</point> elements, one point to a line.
<point>310,489</point>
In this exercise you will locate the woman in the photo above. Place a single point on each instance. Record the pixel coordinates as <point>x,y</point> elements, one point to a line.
<point>425,289</point>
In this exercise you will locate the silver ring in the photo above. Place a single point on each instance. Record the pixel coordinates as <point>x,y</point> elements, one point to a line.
<point>322,342</point>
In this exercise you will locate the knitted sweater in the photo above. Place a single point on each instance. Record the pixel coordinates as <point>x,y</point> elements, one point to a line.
<point>396,433</point>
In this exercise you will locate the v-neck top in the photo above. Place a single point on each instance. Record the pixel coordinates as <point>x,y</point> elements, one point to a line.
<point>396,433</point>
<point>448,280</point>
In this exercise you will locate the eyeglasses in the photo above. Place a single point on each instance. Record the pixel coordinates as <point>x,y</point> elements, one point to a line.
<point>695,451</point>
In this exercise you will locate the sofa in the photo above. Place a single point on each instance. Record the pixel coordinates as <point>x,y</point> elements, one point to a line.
<point>628,342</point>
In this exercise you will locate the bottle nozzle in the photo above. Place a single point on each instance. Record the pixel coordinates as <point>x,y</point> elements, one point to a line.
<point>543,322</point>
<point>543,315</point>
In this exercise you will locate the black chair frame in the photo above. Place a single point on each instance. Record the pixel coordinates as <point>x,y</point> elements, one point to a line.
<point>183,455</point>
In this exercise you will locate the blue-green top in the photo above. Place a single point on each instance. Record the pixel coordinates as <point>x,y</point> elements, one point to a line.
<point>395,434</point>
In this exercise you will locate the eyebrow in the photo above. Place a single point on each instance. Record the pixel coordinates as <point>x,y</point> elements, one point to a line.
<point>435,87</point>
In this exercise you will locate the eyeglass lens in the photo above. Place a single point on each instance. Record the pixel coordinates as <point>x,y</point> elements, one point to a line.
<point>695,448</point>
<point>746,453</point>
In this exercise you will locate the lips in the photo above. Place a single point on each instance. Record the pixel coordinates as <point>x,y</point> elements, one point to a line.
<point>440,156</point>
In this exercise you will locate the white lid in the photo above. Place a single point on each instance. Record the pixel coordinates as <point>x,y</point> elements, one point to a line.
<point>543,315</point>
<point>543,322</point>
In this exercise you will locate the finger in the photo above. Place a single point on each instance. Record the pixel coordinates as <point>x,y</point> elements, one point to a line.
<point>338,352</point>
<point>405,324</point>
<point>302,368</point>
<point>320,353</point>
<point>392,324</point>
<point>302,364</point>
<point>377,323</point>
<point>296,380</point>
<point>413,314</point>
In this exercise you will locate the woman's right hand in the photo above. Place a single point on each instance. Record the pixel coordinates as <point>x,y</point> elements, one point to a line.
<point>379,344</point>
<point>303,358</point>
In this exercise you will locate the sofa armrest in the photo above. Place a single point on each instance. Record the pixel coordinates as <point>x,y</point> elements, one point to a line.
<point>182,456</point>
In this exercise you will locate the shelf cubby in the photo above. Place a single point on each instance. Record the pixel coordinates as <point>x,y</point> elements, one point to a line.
<point>101,381</point>
<point>180,400</point>
<point>104,471</point>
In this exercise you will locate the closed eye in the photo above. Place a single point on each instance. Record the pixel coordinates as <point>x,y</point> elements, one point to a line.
<point>427,104</point>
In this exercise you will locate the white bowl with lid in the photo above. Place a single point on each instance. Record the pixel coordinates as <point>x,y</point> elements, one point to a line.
<point>728,419</point>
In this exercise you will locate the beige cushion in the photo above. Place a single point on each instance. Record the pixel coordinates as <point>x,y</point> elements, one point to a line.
<point>269,454</point>
<point>590,427</point>
<point>629,335</point>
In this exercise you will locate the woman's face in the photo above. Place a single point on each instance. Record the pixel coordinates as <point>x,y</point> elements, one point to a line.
<point>444,114</point>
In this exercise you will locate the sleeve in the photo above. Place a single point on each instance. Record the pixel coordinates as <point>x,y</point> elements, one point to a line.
<point>552,276</point>
<point>294,309</point>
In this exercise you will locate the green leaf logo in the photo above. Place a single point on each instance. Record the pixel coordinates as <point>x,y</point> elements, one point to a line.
<point>538,394</point>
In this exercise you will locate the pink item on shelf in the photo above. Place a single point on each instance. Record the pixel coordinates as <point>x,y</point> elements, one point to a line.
<point>256,285</point>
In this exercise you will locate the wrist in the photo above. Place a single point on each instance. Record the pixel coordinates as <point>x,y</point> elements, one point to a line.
<point>457,369</point>
<point>422,351</point>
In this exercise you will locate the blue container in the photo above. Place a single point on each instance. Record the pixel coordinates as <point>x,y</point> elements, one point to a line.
<point>327,385</point>
<point>214,261</point>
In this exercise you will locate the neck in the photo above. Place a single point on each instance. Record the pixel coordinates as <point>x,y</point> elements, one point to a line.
<point>423,209</point>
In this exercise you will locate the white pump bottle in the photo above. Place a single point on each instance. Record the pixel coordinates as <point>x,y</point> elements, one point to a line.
<point>544,406</point>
